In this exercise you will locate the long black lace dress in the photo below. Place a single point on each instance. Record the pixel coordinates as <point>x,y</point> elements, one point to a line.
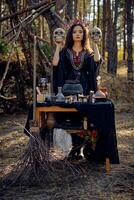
<point>71,67</point>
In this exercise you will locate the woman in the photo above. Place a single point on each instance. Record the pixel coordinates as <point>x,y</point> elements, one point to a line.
<point>76,61</point>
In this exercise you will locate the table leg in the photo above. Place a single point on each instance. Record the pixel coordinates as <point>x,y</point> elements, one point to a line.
<point>38,117</point>
<point>107,165</point>
<point>42,120</point>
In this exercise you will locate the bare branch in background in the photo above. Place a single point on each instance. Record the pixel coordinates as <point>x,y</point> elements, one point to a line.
<point>24,23</point>
<point>26,10</point>
<point>9,59</point>
<point>7,98</point>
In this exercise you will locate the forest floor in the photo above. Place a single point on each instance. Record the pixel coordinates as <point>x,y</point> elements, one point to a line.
<point>95,185</point>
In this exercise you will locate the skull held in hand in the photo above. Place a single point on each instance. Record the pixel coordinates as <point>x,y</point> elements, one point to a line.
<point>59,35</point>
<point>96,34</point>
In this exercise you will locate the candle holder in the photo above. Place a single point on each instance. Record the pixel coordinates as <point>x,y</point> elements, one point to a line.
<point>43,85</point>
<point>99,94</point>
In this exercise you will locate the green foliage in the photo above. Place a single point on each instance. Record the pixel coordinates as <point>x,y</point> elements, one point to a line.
<point>47,50</point>
<point>17,48</point>
<point>4,47</point>
<point>33,26</point>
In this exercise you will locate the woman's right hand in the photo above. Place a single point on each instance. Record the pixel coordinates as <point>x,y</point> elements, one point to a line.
<point>56,56</point>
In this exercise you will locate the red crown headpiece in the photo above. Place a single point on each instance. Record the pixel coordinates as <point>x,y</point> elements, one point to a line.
<point>76,21</point>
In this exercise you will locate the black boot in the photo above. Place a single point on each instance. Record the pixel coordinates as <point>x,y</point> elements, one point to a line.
<point>77,143</point>
<point>89,153</point>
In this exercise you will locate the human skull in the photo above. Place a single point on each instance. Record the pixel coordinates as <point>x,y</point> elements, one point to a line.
<point>96,34</point>
<point>59,35</point>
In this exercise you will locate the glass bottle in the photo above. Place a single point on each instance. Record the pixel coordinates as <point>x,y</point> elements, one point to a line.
<point>60,97</point>
<point>91,99</point>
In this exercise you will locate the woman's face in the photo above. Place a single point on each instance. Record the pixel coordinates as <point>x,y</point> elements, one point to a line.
<point>77,34</point>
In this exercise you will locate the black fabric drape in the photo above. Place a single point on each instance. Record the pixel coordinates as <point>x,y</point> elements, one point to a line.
<point>65,71</point>
<point>101,114</point>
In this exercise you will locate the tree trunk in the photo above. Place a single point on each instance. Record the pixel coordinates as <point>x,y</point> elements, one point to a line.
<point>24,4</point>
<point>0,14</point>
<point>115,48</point>
<point>89,9</point>
<point>53,22</point>
<point>98,17</point>
<point>124,40</point>
<point>84,9</point>
<point>124,32</point>
<point>20,90</point>
<point>104,28</point>
<point>94,20</point>
<point>129,15</point>
<point>60,7</point>
<point>69,10</point>
<point>81,9</point>
<point>75,8</point>
<point>112,39</point>
<point>15,20</point>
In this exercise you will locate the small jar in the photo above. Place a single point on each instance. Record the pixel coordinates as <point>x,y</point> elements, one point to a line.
<point>60,97</point>
<point>91,96</point>
<point>93,99</point>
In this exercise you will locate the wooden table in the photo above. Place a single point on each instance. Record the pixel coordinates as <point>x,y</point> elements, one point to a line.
<point>53,109</point>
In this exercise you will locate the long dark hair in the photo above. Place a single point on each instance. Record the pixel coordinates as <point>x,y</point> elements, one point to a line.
<point>85,41</point>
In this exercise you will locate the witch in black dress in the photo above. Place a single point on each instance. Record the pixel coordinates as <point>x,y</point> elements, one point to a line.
<point>76,61</point>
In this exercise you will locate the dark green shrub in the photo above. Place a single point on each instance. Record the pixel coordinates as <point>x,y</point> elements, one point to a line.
<point>47,50</point>
<point>4,47</point>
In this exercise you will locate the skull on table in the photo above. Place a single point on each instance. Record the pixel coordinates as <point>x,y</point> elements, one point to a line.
<point>59,35</point>
<point>96,34</point>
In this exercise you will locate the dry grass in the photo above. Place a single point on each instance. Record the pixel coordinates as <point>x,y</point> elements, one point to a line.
<point>122,71</point>
<point>120,90</point>
<point>92,183</point>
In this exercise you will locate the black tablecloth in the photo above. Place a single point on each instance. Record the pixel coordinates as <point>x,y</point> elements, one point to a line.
<point>101,114</point>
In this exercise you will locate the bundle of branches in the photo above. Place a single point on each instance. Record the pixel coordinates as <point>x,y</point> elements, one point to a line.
<point>39,165</point>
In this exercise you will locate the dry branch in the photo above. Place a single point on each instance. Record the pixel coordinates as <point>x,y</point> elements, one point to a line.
<point>44,57</point>
<point>41,9</point>
<point>23,22</point>
<point>39,164</point>
<point>38,38</point>
<point>7,66</point>
<point>7,98</point>
<point>26,10</point>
